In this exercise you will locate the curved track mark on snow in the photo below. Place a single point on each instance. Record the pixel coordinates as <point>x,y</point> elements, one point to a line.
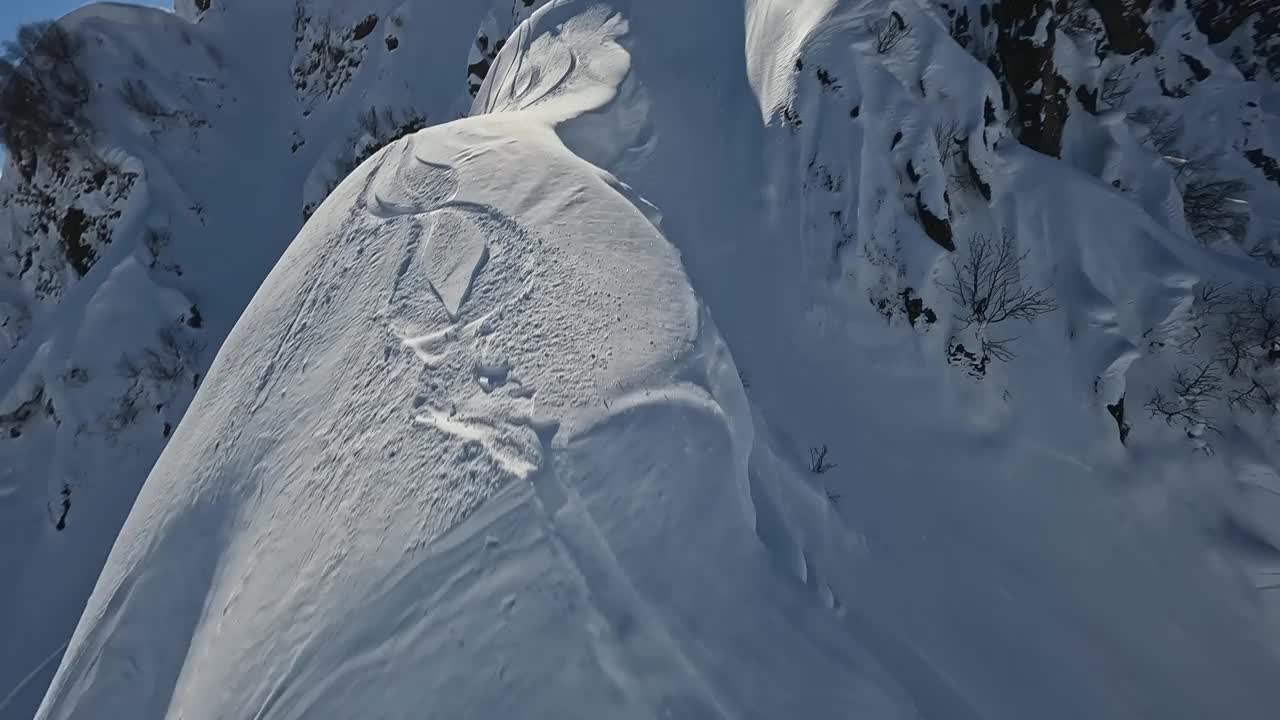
<point>517,453</point>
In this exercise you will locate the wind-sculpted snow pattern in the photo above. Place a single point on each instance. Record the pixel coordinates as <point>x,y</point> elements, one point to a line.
<point>653,389</point>
<point>452,411</point>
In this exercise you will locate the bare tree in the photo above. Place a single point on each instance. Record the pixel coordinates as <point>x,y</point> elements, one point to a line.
<point>1193,390</point>
<point>1214,206</point>
<point>1211,300</point>
<point>889,32</point>
<point>818,460</point>
<point>169,361</point>
<point>1252,398</point>
<point>1252,328</point>
<point>988,288</point>
<point>1116,86</point>
<point>949,138</point>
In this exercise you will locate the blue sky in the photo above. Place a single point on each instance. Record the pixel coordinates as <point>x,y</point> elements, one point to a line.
<point>15,12</point>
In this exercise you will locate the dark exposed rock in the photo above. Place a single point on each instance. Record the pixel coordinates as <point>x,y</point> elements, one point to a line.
<point>984,188</point>
<point>16,420</point>
<point>1197,68</point>
<point>364,28</point>
<point>915,308</point>
<point>1264,162</point>
<point>1026,62</point>
<point>1117,411</point>
<point>80,256</point>
<point>65,505</point>
<point>938,229</point>
<point>1126,25</point>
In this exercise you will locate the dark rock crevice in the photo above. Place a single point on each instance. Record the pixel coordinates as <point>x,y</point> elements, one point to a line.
<point>1126,25</point>
<point>1026,64</point>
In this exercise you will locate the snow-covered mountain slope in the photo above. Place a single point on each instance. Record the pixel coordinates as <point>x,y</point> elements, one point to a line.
<point>215,132</point>
<point>664,386</point>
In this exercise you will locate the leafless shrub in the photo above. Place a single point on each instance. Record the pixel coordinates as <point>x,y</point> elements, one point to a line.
<point>818,460</point>
<point>156,240</point>
<point>1211,300</point>
<point>988,286</point>
<point>950,140</point>
<point>169,361</point>
<point>1253,398</point>
<point>1215,208</point>
<point>1252,328</point>
<point>126,409</point>
<point>137,96</point>
<point>1164,129</point>
<point>889,32</point>
<point>1194,389</point>
<point>1116,86</point>
<point>1076,19</point>
<point>1267,251</point>
<point>158,372</point>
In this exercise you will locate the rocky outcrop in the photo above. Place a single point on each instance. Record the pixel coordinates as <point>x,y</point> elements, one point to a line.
<point>1026,35</point>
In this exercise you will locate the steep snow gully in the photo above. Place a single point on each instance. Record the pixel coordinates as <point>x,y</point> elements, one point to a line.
<point>638,393</point>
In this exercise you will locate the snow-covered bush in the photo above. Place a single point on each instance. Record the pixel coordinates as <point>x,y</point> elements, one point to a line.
<point>988,288</point>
